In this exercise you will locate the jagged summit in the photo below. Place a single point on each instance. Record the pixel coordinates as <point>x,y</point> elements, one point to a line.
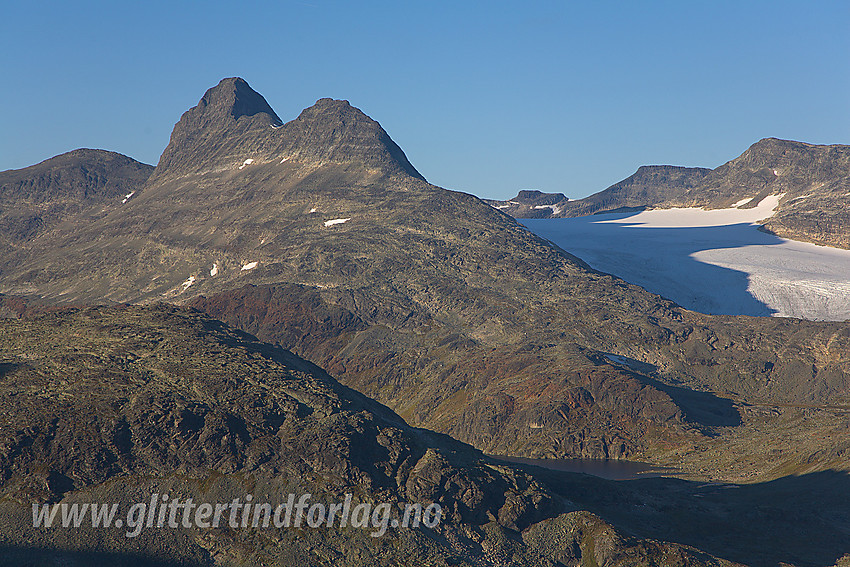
<point>232,123</point>
<point>230,118</point>
<point>235,97</point>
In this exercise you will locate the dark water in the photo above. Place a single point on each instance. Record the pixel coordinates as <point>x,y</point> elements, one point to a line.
<point>604,468</point>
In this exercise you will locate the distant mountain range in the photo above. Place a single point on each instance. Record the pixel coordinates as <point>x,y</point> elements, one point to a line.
<point>815,182</point>
<point>318,237</point>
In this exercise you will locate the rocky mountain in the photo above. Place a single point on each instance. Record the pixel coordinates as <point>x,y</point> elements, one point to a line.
<point>649,184</point>
<point>417,266</point>
<point>320,238</point>
<point>530,203</point>
<point>86,182</point>
<point>318,235</point>
<point>113,405</point>
<point>233,121</point>
<point>814,181</point>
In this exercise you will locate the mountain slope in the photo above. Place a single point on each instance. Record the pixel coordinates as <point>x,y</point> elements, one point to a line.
<point>37,198</point>
<point>318,235</point>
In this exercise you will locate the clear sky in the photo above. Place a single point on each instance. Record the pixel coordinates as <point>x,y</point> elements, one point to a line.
<point>484,97</point>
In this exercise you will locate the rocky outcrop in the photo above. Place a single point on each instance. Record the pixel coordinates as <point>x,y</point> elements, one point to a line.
<point>111,405</point>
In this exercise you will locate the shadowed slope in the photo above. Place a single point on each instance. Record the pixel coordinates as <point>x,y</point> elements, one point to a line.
<point>114,405</point>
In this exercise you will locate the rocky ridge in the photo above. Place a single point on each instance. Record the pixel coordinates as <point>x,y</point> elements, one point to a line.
<point>813,179</point>
<point>81,182</point>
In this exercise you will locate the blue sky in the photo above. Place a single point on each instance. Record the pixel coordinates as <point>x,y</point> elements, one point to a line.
<point>487,98</point>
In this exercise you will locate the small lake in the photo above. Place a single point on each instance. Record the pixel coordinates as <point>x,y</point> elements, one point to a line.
<point>610,469</point>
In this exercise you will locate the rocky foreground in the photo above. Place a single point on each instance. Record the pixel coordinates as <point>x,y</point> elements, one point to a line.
<point>115,404</point>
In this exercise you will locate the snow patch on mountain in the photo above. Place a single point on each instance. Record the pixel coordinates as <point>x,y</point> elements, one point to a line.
<point>336,221</point>
<point>555,208</point>
<point>714,261</point>
<point>696,217</point>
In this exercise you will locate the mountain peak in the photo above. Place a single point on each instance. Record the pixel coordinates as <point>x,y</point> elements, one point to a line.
<point>228,111</point>
<point>336,113</point>
<point>328,102</point>
<point>234,97</point>
<point>334,131</point>
<point>232,122</point>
